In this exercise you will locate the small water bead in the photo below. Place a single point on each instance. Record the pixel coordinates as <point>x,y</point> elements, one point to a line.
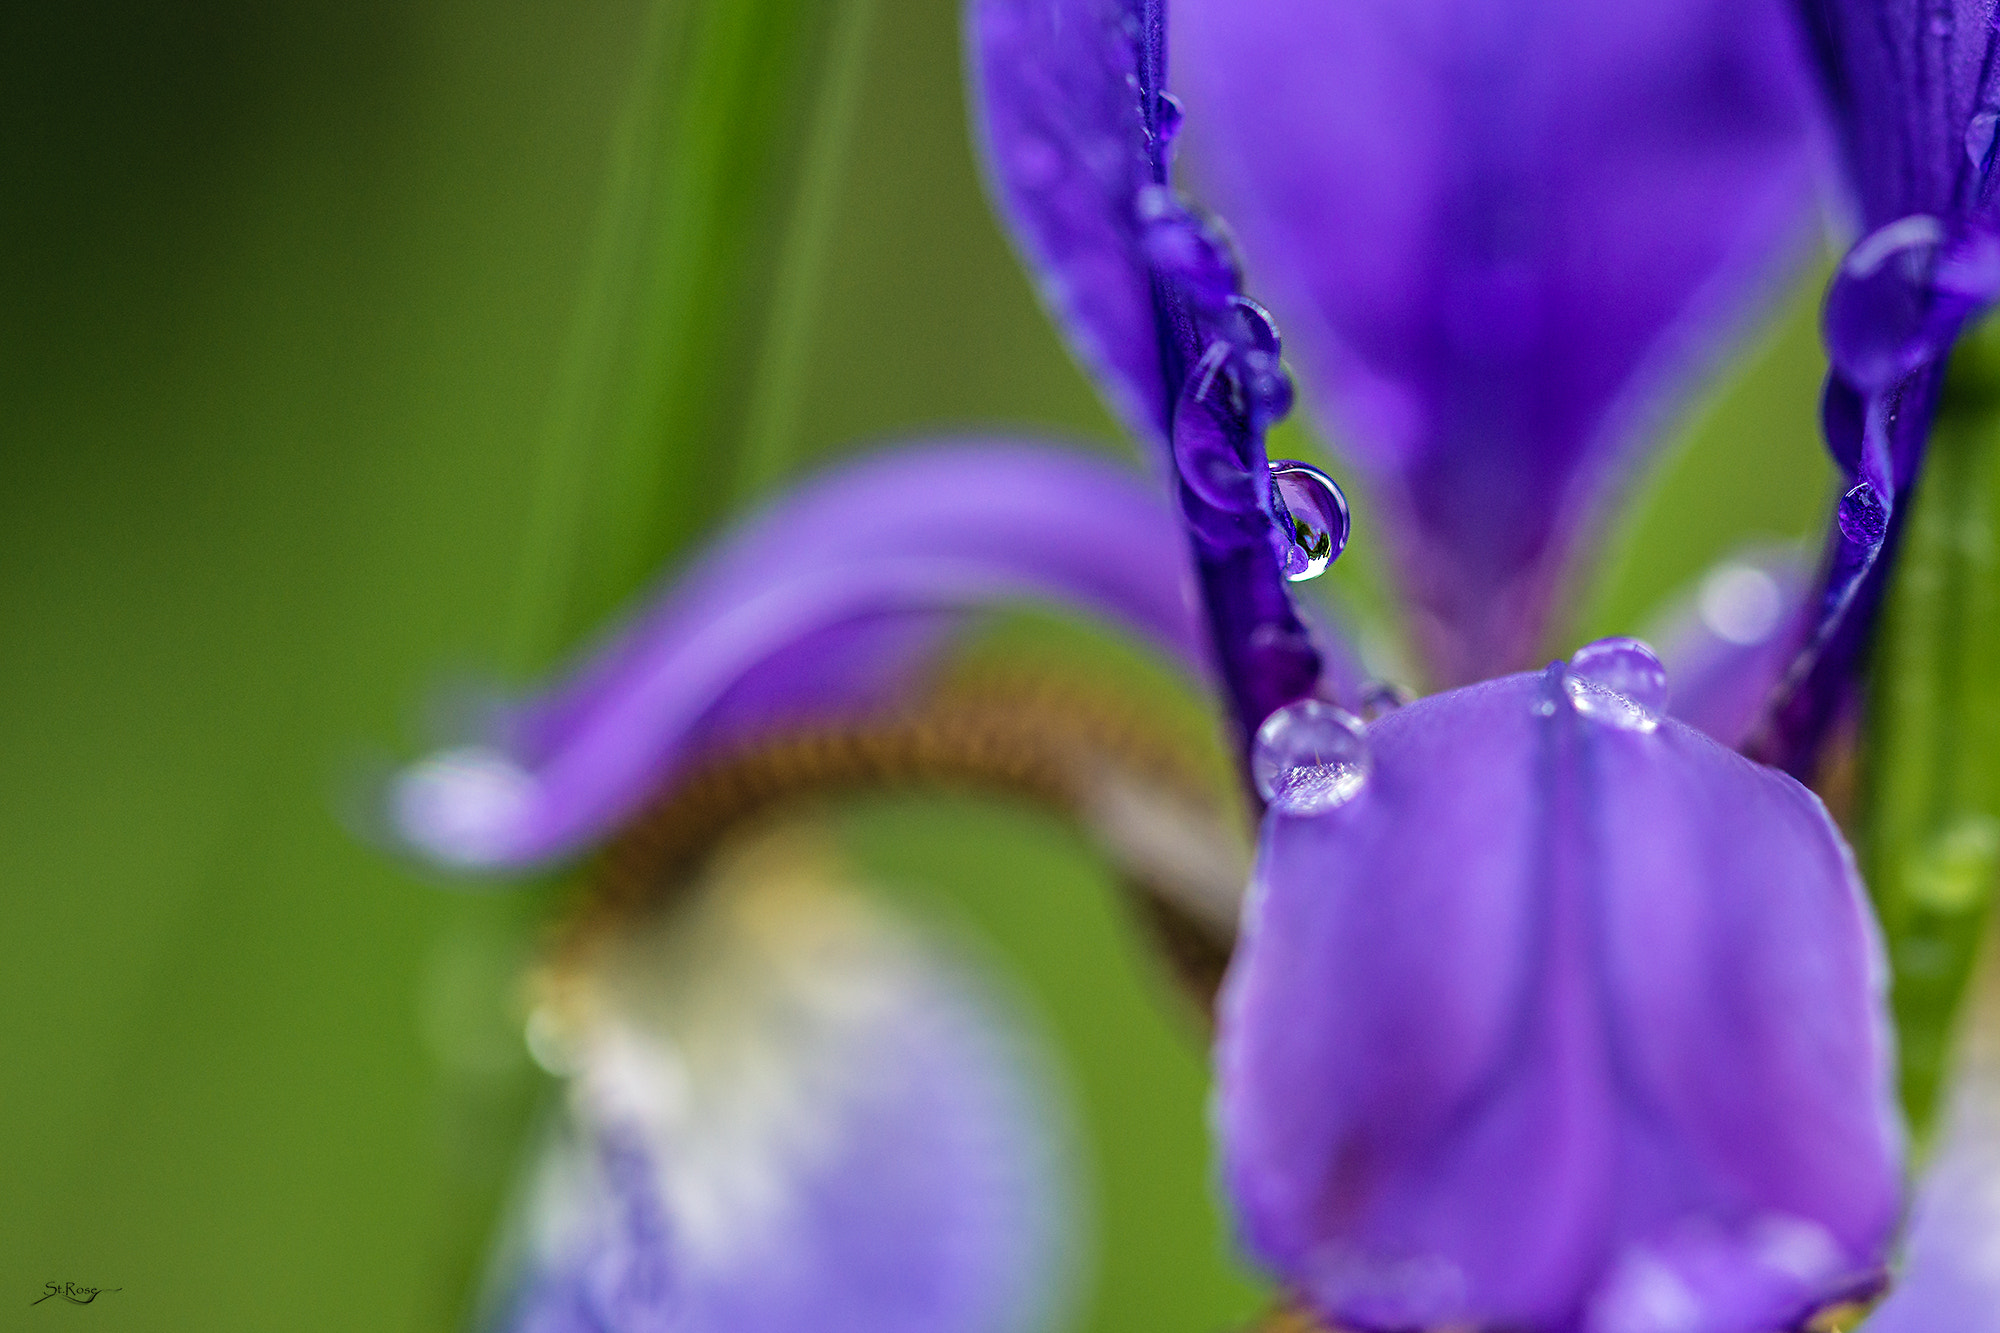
<point>1863,517</point>
<point>1184,247</point>
<point>1310,757</point>
<point>1619,682</point>
<point>1312,514</point>
<point>1382,697</point>
<point>1168,115</point>
<point>1880,309</point>
<point>1982,132</point>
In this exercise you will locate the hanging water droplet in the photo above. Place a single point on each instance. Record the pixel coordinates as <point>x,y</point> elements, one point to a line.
<point>1168,115</point>
<point>1312,517</point>
<point>1862,515</point>
<point>1380,697</point>
<point>1310,757</point>
<point>1181,246</point>
<point>1884,316</point>
<point>1980,134</point>
<point>1619,682</point>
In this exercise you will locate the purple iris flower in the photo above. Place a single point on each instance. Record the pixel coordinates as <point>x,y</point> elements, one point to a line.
<point>1548,1013</point>
<point>1500,236</point>
<point>1913,95</point>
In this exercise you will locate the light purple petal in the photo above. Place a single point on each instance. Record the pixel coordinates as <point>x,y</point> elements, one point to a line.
<point>806,608</point>
<point>1950,1281</point>
<point>1496,233</point>
<point>1559,1026</point>
<point>1068,147</point>
<point>839,1134</point>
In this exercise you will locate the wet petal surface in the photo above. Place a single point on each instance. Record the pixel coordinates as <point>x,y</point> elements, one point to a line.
<point>1559,1025</point>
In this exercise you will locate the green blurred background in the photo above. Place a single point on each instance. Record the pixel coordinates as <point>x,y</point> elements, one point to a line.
<point>349,348</point>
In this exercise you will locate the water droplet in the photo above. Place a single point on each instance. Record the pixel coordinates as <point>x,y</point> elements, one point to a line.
<point>1740,604</point>
<point>1981,132</point>
<point>1256,330</point>
<point>1310,757</point>
<point>1185,248</point>
<point>1168,115</point>
<point>1884,316</point>
<point>1619,682</point>
<point>1862,515</point>
<point>1312,517</point>
<point>1380,697</point>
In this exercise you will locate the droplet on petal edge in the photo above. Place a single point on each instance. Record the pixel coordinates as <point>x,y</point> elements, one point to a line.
<point>1619,682</point>
<point>1312,516</point>
<point>1863,517</point>
<point>1310,757</point>
<point>1170,114</point>
<point>1380,697</point>
<point>1882,309</point>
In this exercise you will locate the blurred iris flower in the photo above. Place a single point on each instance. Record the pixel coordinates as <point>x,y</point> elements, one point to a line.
<point>1548,1010</point>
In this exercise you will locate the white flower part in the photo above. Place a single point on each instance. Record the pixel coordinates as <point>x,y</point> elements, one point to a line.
<point>812,1090</point>
<point>464,805</point>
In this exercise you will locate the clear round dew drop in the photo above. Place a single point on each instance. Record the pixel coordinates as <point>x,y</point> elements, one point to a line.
<point>1310,757</point>
<point>1862,515</point>
<point>1312,519</point>
<point>1618,682</point>
<point>1883,316</point>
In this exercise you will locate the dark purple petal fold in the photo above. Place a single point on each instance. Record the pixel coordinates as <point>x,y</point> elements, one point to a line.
<point>1497,234</point>
<point>1563,1027</point>
<point>825,602</point>
<point>1911,89</point>
<point>1076,127</point>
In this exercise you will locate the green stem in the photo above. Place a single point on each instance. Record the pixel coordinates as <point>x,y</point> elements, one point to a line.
<point>1931,814</point>
<point>771,432</point>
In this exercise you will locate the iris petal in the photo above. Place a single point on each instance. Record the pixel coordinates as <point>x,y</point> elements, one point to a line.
<point>806,607</point>
<point>1495,233</point>
<point>790,1112</point>
<point>1558,1026</point>
<point>1067,146</point>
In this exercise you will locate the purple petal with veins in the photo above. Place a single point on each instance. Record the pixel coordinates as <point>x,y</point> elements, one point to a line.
<point>1498,234</point>
<point>1076,129</point>
<point>1562,1026</point>
<point>806,608</point>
